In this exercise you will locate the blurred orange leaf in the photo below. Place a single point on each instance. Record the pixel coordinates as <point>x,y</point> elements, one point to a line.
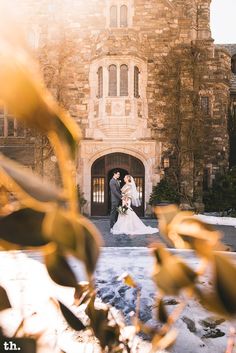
<point>163,342</point>
<point>72,320</point>
<point>26,98</point>
<point>172,274</point>
<point>27,185</point>
<point>128,280</point>
<point>58,267</point>
<point>4,301</point>
<point>23,227</point>
<point>76,233</point>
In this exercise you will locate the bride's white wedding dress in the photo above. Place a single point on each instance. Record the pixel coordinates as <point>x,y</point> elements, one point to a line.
<point>130,223</point>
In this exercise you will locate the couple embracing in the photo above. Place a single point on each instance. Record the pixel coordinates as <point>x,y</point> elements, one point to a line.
<point>127,222</point>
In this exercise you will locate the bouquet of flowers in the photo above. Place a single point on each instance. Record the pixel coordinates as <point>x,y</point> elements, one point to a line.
<point>122,209</point>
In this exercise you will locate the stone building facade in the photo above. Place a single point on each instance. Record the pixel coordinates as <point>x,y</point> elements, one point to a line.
<point>231,48</point>
<point>147,86</point>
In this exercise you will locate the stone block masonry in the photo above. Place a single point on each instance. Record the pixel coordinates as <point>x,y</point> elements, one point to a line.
<point>179,104</point>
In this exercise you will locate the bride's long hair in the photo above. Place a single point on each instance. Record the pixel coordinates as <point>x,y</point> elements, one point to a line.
<point>129,178</point>
<point>135,195</point>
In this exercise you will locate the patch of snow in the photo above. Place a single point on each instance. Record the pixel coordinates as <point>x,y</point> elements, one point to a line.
<point>226,221</point>
<point>27,282</point>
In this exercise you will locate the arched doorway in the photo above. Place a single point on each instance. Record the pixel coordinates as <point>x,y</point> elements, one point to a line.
<point>101,173</point>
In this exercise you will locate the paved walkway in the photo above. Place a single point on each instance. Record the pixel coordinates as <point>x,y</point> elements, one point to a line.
<point>122,240</point>
<point>110,240</point>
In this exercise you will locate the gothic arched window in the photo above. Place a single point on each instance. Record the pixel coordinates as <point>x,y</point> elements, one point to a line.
<point>233,64</point>
<point>123,16</point>
<point>124,80</point>
<point>113,16</point>
<point>10,127</point>
<point>100,82</point>
<point>112,80</point>
<point>205,105</point>
<point>136,82</point>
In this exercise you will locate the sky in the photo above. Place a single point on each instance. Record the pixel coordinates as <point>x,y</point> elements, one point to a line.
<point>223,21</point>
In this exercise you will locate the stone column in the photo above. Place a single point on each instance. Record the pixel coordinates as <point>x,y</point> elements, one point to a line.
<point>203,19</point>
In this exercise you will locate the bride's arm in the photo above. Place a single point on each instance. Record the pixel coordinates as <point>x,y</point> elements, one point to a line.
<point>125,195</point>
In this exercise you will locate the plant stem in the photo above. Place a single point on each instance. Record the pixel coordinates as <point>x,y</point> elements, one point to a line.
<point>138,306</point>
<point>67,170</point>
<point>231,340</point>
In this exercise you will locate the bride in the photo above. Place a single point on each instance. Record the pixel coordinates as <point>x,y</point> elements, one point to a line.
<point>130,223</point>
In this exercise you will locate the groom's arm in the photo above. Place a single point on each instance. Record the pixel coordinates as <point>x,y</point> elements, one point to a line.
<point>114,190</point>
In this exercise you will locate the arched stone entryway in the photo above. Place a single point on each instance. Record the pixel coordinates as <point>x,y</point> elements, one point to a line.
<point>101,173</point>
<point>148,152</point>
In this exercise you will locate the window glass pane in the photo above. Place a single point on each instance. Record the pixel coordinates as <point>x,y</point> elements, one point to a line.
<point>124,16</point>
<point>1,126</point>
<point>98,190</point>
<point>20,129</point>
<point>113,16</point>
<point>233,64</point>
<point>136,82</point>
<point>100,82</point>
<point>10,127</point>
<point>124,80</point>
<point>205,107</point>
<point>112,80</point>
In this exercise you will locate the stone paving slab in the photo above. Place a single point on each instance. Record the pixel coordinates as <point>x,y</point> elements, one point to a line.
<point>123,240</point>
<point>228,235</point>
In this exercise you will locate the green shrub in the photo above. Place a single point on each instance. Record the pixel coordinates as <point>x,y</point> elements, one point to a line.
<point>222,197</point>
<point>82,200</point>
<point>164,192</point>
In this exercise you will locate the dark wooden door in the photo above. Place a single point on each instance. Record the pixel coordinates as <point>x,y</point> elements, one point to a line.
<point>102,172</point>
<point>99,195</point>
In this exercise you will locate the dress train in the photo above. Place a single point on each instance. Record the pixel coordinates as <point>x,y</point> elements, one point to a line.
<point>131,224</point>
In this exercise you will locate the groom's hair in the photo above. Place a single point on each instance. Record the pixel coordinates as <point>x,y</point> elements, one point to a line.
<point>115,172</point>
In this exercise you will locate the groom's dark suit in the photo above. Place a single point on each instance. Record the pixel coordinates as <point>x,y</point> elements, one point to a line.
<point>115,200</point>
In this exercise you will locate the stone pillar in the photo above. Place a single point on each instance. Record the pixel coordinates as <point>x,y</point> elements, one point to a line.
<point>203,19</point>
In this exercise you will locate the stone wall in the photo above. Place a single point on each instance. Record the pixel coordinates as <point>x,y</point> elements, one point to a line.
<point>231,48</point>
<point>69,37</point>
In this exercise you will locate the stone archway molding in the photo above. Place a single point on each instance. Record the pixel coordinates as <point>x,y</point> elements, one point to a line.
<point>131,152</point>
<point>90,151</point>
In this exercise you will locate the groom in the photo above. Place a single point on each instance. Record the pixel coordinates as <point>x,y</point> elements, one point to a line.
<point>115,197</point>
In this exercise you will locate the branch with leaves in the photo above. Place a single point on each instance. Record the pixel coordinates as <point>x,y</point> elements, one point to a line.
<point>46,217</point>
